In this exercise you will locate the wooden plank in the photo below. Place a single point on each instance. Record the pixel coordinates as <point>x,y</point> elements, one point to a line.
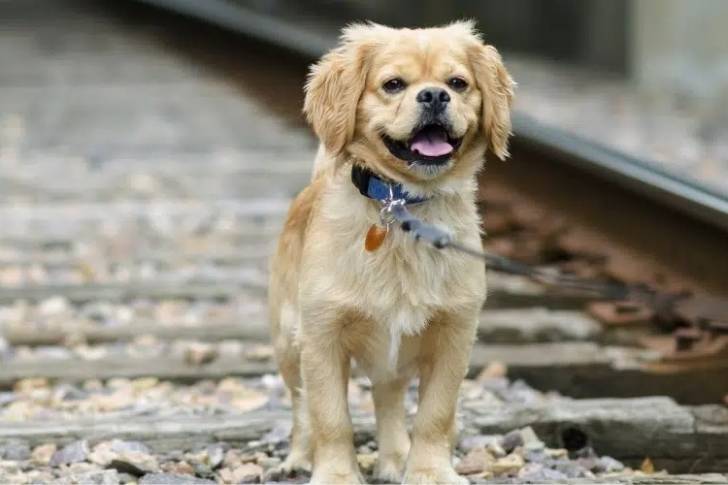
<point>218,164</point>
<point>246,255</point>
<point>250,328</point>
<point>672,436</point>
<point>129,291</point>
<point>500,295</point>
<point>173,368</point>
<point>576,369</point>
<point>162,434</point>
<point>509,325</point>
<point>627,429</point>
<point>46,216</point>
<point>91,189</point>
<point>586,369</point>
<point>536,324</point>
<point>248,229</point>
<point>76,175</point>
<point>571,358</point>
<point>512,291</point>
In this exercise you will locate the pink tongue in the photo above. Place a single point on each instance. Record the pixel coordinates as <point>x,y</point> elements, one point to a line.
<point>431,144</point>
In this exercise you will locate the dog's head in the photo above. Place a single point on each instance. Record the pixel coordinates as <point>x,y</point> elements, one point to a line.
<point>416,105</point>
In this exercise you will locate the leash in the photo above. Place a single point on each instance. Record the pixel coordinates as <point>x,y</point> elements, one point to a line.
<point>669,309</point>
<point>394,200</point>
<point>706,314</point>
<point>395,210</point>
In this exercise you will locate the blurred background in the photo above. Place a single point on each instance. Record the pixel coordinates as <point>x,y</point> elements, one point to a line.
<point>149,150</point>
<point>647,77</point>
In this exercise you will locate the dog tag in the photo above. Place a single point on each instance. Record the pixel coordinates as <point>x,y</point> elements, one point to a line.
<point>375,237</point>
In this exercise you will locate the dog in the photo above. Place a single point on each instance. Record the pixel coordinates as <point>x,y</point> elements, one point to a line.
<point>407,114</point>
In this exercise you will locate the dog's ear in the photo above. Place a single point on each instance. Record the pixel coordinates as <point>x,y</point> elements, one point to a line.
<point>334,87</point>
<point>496,88</point>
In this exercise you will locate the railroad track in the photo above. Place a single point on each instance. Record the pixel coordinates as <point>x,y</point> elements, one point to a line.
<point>138,214</point>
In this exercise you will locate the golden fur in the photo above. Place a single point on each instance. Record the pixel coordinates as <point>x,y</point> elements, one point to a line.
<point>405,309</point>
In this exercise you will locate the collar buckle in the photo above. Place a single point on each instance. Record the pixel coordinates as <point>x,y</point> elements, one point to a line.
<point>386,214</point>
<point>374,187</point>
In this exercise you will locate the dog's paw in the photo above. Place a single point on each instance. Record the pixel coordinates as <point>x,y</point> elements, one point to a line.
<point>294,464</point>
<point>422,476</point>
<point>390,467</point>
<point>329,478</point>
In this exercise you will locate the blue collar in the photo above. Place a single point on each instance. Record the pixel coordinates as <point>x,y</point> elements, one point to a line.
<point>370,185</point>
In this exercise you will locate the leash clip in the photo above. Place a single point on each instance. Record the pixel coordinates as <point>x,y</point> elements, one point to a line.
<point>386,214</point>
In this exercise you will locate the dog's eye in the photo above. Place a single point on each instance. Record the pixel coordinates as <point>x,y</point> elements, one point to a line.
<point>394,85</point>
<point>457,83</point>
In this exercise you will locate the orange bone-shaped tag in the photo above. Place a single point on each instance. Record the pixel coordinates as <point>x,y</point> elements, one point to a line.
<point>375,237</point>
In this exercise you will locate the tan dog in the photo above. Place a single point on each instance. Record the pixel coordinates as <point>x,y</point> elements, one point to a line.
<point>417,108</point>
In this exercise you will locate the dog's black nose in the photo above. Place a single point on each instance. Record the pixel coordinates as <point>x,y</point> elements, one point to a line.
<point>433,97</point>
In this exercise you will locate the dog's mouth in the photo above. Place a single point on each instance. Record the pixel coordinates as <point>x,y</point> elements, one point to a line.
<point>429,145</point>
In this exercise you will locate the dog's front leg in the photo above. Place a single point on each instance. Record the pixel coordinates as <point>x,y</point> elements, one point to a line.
<point>445,356</point>
<point>325,367</point>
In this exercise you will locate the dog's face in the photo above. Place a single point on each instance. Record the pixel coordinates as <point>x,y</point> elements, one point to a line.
<point>416,105</point>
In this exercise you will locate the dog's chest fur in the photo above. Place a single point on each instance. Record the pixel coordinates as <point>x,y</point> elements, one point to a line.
<point>398,288</point>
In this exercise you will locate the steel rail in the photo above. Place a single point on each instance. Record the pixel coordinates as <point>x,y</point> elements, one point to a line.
<point>632,173</point>
<point>639,176</point>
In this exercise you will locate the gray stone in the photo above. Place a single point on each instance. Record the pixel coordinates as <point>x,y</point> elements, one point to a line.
<point>127,478</point>
<point>268,463</point>
<point>15,450</point>
<point>202,469</point>
<point>121,446</point>
<point>520,393</point>
<point>215,455</point>
<point>512,440</point>
<point>607,464</point>
<point>570,469</point>
<point>537,473</point>
<point>7,397</point>
<point>72,453</point>
<point>496,384</point>
<point>467,443</point>
<point>278,434</point>
<point>590,463</point>
<point>530,440</point>
<point>72,393</point>
<point>535,456</point>
<point>170,479</point>
<point>127,467</point>
<point>100,477</point>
